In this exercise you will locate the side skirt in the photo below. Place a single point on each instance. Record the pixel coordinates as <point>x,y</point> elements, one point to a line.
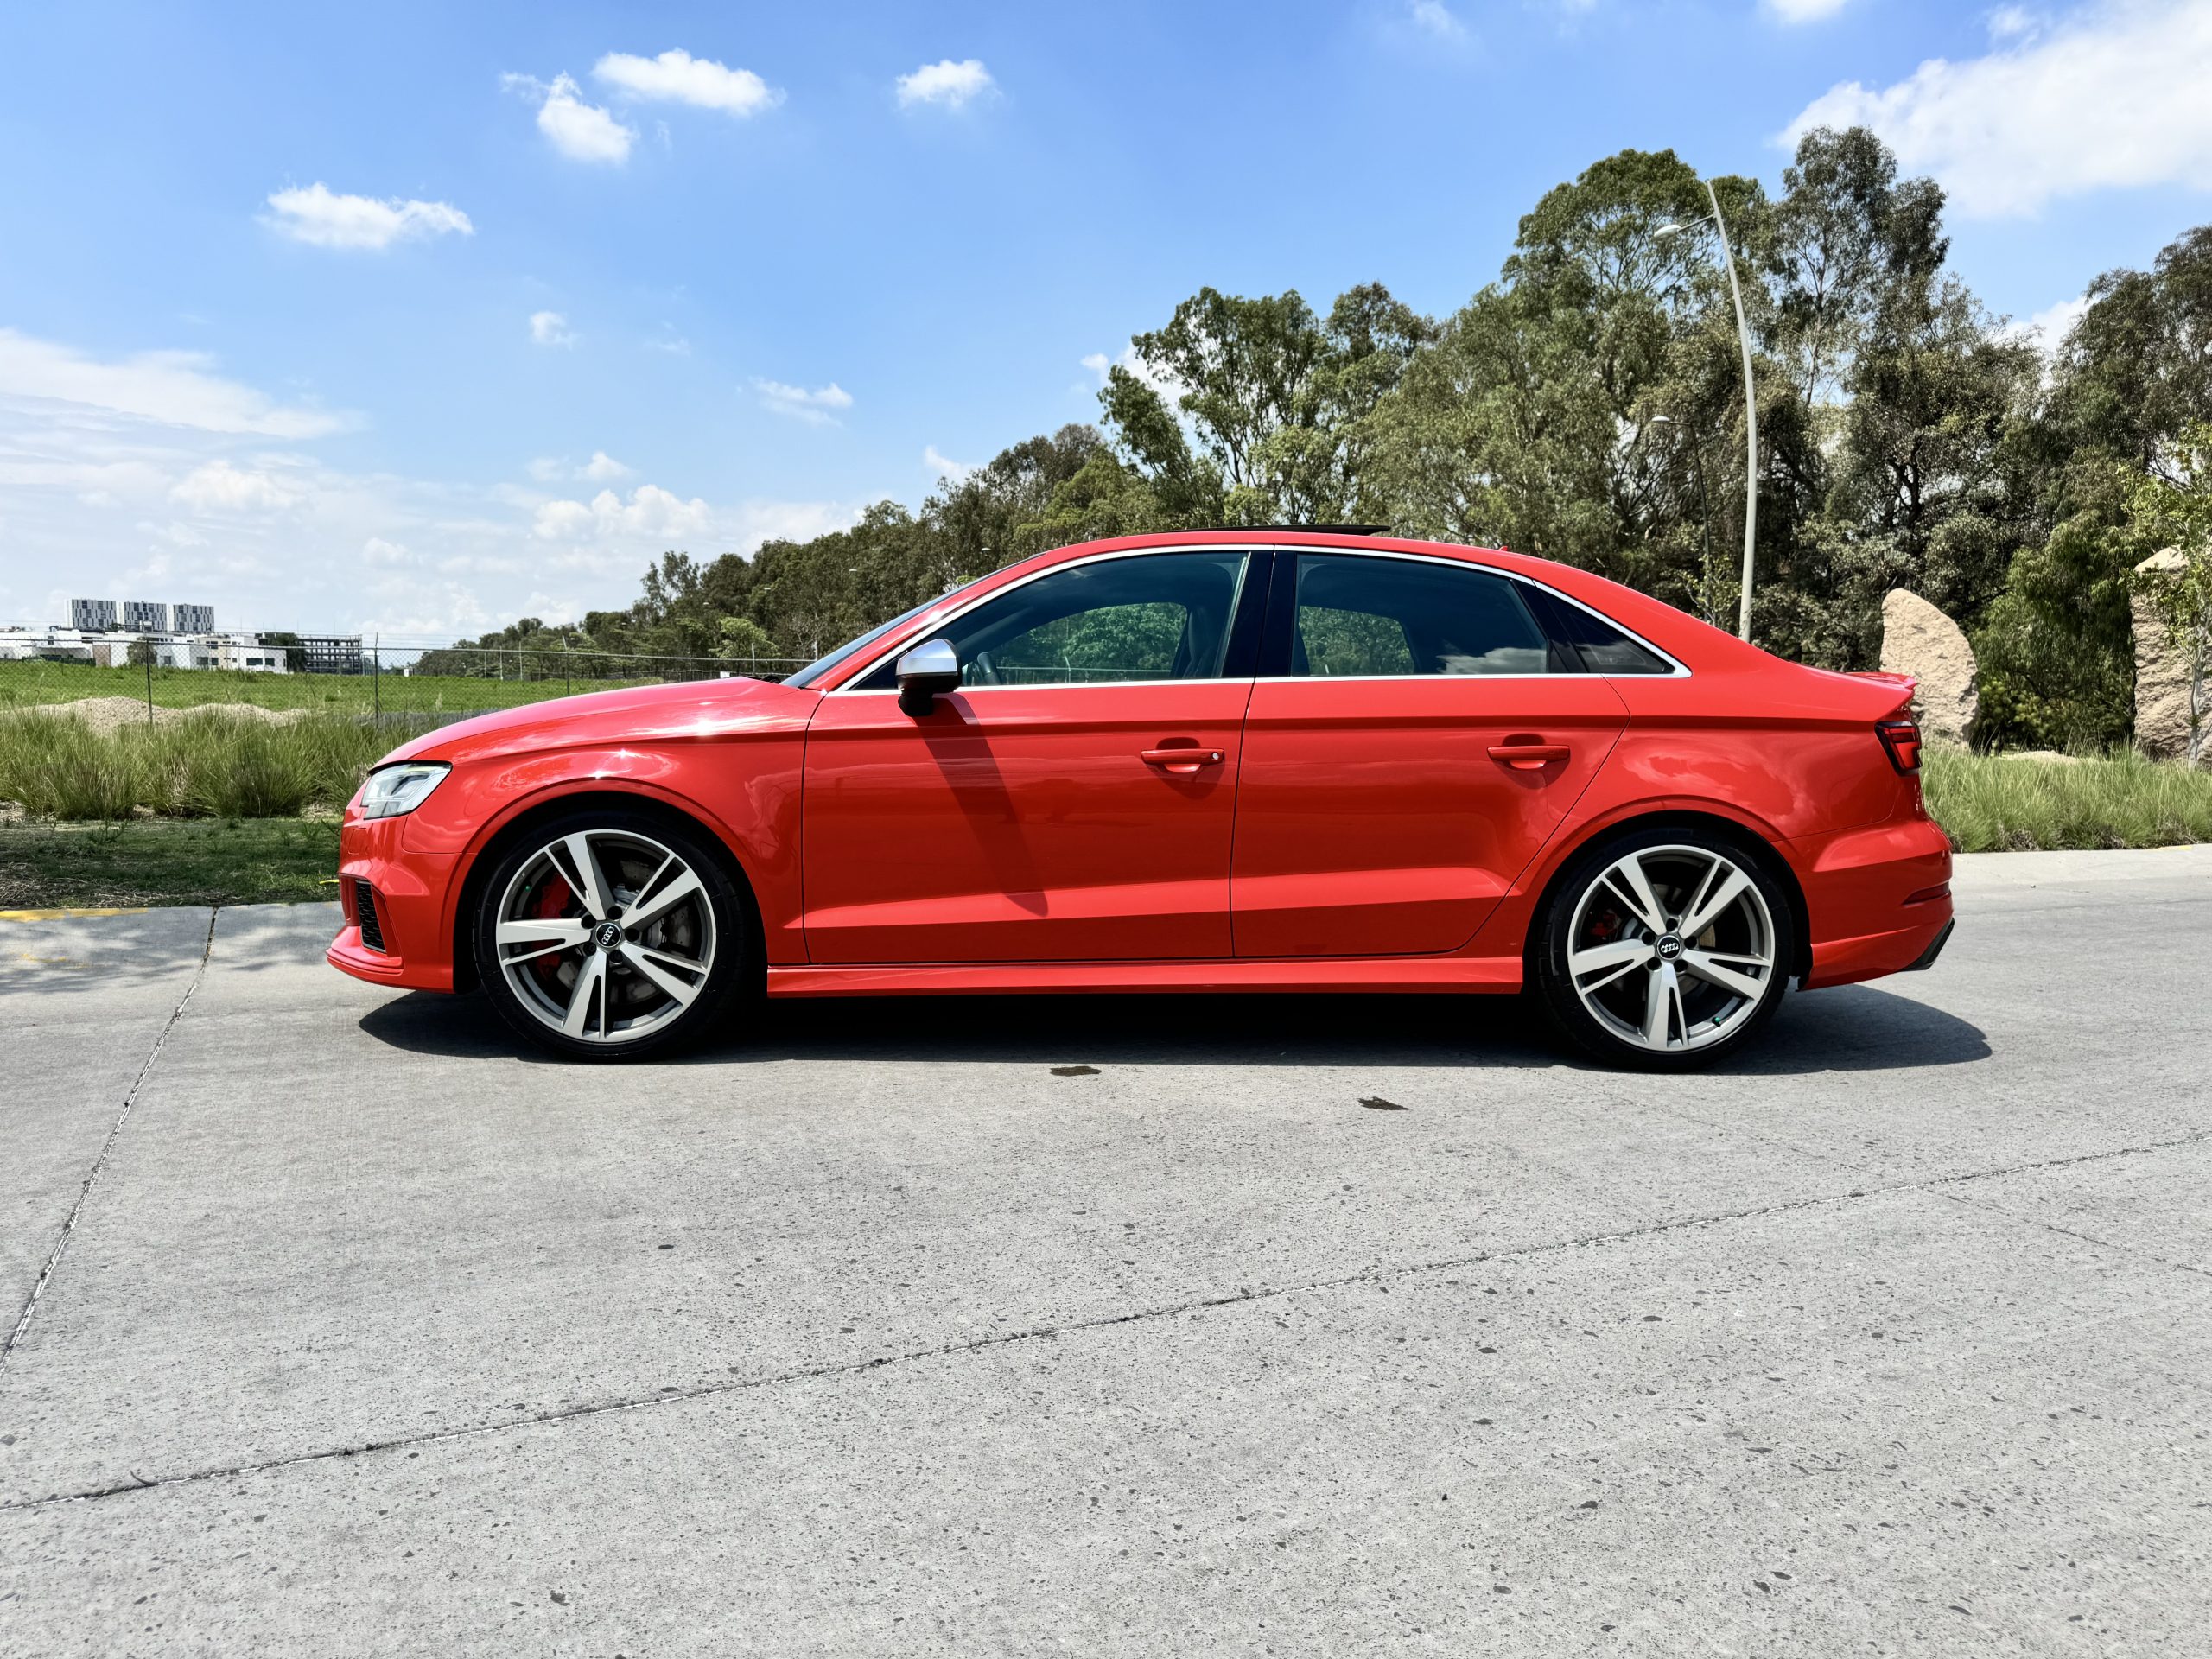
<point>1479,975</point>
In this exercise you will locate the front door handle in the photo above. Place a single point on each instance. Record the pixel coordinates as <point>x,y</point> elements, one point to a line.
<point>1528,757</point>
<point>1186,761</point>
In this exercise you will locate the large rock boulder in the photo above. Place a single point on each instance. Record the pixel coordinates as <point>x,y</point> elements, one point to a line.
<point>2161,675</point>
<point>1920,640</point>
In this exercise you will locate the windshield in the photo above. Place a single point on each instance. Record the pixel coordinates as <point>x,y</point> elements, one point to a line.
<point>820,665</point>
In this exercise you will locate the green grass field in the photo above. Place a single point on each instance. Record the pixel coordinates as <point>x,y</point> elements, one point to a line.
<point>199,766</point>
<point>167,861</point>
<point>33,684</point>
<point>2001,803</point>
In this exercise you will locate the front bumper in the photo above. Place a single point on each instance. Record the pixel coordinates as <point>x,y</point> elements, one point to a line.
<point>410,893</point>
<point>1878,899</point>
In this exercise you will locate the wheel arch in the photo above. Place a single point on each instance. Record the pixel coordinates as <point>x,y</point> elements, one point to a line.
<point>1749,841</point>
<point>520,822</point>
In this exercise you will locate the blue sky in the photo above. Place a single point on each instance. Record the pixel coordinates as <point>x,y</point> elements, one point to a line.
<point>416,318</point>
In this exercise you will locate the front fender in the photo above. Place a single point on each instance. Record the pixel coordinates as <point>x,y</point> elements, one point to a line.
<point>742,789</point>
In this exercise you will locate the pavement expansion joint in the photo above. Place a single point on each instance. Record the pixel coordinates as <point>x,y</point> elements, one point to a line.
<point>1933,1185</point>
<point>107,1146</point>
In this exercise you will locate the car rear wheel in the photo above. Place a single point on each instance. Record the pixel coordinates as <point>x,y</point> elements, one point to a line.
<point>610,935</point>
<point>1665,949</point>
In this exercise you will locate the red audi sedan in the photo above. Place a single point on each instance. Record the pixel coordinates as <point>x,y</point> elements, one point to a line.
<point>1208,761</point>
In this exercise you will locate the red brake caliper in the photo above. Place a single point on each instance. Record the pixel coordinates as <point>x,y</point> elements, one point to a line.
<point>554,898</point>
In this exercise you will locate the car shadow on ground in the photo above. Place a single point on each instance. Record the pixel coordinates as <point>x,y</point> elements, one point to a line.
<point>1853,1028</point>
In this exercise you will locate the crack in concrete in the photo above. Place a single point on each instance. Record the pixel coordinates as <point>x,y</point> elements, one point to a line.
<point>2133,1252</point>
<point>1933,1185</point>
<point>100,1162</point>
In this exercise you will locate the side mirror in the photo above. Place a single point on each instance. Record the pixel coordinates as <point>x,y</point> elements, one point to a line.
<point>929,668</point>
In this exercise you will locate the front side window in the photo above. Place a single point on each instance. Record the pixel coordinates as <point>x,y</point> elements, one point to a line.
<point>1369,618</point>
<point>1156,616</point>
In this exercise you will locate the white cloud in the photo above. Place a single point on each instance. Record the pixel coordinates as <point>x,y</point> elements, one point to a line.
<point>2012,23</point>
<point>172,388</point>
<point>651,513</point>
<point>678,75</point>
<point>175,533</point>
<point>813,407</point>
<point>2047,330</point>
<point>323,218</point>
<point>210,493</point>
<point>220,487</point>
<point>944,466</point>
<point>581,131</point>
<point>953,85</point>
<point>2113,96</point>
<point>601,468</point>
<point>554,613</point>
<point>1805,12</point>
<point>1434,18</point>
<point>550,329</point>
<point>1166,384</point>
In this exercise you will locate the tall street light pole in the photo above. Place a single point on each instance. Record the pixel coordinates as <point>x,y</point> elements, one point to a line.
<point>1751,403</point>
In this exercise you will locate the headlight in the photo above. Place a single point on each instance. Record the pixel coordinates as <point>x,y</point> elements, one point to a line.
<point>392,791</point>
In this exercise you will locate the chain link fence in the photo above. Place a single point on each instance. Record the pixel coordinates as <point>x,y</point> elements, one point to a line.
<point>415,686</point>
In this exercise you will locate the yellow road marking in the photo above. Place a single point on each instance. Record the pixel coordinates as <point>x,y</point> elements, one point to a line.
<point>66,914</point>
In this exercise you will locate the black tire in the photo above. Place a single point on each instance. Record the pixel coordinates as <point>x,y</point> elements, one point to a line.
<point>1701,1019</point>
<point>631,1017</point>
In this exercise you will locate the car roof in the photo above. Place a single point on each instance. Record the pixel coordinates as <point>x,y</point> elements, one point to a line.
<point>1674,631</point>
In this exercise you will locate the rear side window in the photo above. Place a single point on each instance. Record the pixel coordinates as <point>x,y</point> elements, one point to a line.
<point>1358,616</point>
<point>1603,647</point>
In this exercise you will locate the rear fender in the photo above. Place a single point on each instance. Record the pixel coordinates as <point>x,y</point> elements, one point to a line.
<point>1510,927</point>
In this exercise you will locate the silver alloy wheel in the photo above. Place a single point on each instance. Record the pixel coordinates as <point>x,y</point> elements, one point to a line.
<point>606,936</point>
<point>1671,948</point>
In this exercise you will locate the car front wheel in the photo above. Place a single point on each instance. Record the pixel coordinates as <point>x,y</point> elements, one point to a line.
<point>1665,949</point>
<point>609,934</point>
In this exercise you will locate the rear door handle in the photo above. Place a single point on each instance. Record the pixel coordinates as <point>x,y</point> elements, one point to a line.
<point>1528,757</point>
<point>1181,759</point>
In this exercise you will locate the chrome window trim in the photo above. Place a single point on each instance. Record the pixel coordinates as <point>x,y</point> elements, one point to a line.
<point>873,662</point>
<point>1677,669</point>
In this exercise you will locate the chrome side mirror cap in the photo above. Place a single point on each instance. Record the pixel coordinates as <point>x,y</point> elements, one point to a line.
<point>929,668</point>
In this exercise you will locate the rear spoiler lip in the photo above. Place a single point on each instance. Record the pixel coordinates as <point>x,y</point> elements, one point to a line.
<point>1906,684</point>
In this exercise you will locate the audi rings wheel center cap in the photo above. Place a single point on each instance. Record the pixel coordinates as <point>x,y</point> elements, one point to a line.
<point>606,936</point>
<point>1669,948</point>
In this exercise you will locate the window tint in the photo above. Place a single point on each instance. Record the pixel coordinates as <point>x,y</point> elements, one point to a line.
<point>1379,617</point>
<point>1603,648</point>
<point>1160,616</point>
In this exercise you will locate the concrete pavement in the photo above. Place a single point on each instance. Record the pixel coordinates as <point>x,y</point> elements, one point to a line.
<point>1112,1326</point>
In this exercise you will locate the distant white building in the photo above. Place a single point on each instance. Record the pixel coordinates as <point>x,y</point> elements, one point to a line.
<point>254,657</point>
<point>111,647</point>
<point>65,645</point>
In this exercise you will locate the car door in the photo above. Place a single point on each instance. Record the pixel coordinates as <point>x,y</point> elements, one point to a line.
<point>1415,735</point>
<point>1073,801</point>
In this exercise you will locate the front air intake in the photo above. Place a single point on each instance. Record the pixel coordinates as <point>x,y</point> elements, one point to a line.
<point>365,900</point>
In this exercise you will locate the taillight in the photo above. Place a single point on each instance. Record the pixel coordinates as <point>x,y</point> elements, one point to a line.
<point>1902,739</point>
